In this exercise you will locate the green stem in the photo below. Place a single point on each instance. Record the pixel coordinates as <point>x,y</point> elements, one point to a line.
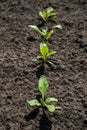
<point>42,102</point>
<point>45,57</point>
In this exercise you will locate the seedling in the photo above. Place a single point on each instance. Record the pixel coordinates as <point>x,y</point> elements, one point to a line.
<point>45,32</point>
<point>45,53</point>
<point>44,102</point>
<point>48,14</point>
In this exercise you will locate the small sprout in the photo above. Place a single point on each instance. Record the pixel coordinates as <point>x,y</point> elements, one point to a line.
<point>45,33</point>
<point>45,53</point>
<point>48,14</point>
<point>43,87</point>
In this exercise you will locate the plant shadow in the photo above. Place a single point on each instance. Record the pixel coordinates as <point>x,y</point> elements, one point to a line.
<point>41,24</point>
<point>45,123</point>
<point>32,114</point>
<point>40,70</point>
<point>31,39</point>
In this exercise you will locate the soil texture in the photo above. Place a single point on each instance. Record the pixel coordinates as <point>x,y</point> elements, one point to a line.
<point>19,74</point>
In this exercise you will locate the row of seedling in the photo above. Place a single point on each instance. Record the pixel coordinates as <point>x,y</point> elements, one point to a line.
<point>45,54</point>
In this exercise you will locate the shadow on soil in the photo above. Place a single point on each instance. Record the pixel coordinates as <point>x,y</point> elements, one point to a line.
<point>41,24</point>
<point>45,123</point>
<point>31,115</point>
<point>40,70</point>
<point>31,39</point>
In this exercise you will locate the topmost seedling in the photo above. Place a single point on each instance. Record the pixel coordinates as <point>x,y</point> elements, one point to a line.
<point>48,14</point>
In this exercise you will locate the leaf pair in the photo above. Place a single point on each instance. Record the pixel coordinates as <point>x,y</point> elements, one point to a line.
<point>48,14</point>
<point>43,87</point>
<point>45,32</point>
<point>45,53</point>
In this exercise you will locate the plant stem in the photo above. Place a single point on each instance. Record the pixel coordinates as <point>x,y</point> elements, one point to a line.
<point>42,102</point>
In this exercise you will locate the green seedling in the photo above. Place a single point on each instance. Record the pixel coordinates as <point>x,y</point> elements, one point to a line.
<point>48,14</point>
<point>45,33</point>
<point>44,102</point>
<point>45,53</point>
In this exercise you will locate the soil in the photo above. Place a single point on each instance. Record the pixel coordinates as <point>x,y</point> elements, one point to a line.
<point>19,74</point>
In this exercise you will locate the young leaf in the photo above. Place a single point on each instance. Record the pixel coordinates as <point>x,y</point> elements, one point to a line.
<point>52,15</point>
<point>35,28</point>
<point>57,107</point>
<point>43,85</point>
<point>49,10</point>
<point>51,53</point>
<point>43,48</point>
<point>33,102</point>
<point>51,99</point>
<point>43,15</point>
<point>49,34</point>
<point>39,57</point>
<point>51,108</point>
<point>44,31</point>
<point>50,62</point>
<point>57,26</point>
<point>48,14</point>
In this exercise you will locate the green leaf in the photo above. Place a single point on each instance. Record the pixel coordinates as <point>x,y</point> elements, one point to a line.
<point>57,26</point>
<point>51,53</point>
<point>50,63</point>
<point>51,108</point>
<point>58,108</point>
<point>52,15</point>
<point>33,102</point>
<point>48,14</point>
<point>49,10</point>
<point>43,48</point>
<point>34,60</point>
<point>43,85</point>
<point>44,31</point>
<point>51,99</point>
<point>39,57</point>
<point>35,28</point>
<point>49,34</point>
<point>43,15</point>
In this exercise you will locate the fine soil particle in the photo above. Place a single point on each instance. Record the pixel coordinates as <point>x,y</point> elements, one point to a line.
<point>19,74</point>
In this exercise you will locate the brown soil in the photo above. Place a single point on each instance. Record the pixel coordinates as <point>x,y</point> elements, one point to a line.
<point>19,75</point>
